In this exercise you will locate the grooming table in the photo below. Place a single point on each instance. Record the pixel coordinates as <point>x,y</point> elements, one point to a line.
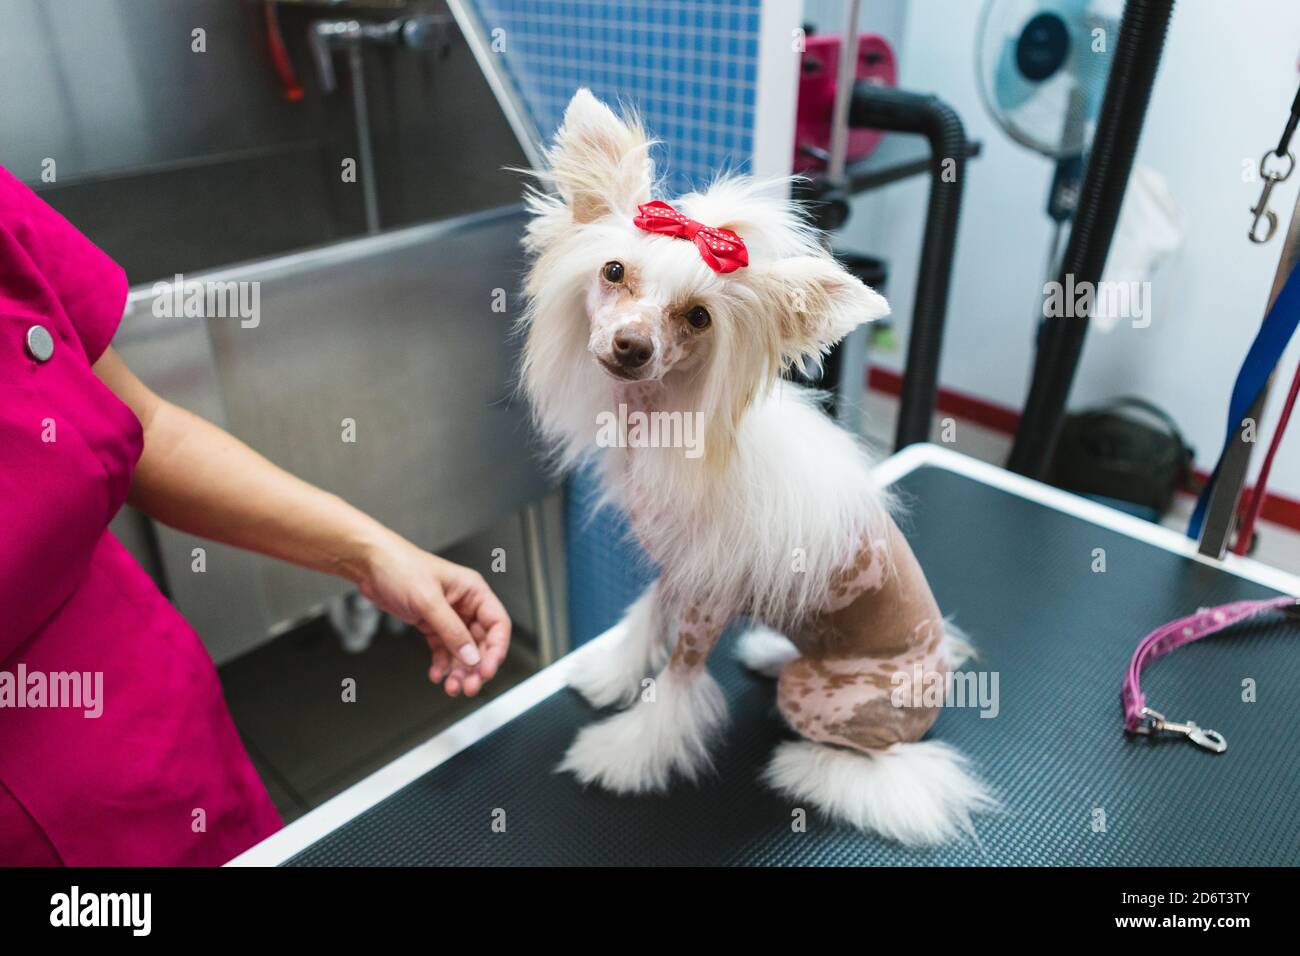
<point>1012,561</point>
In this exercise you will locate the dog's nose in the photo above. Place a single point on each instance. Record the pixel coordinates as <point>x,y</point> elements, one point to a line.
<point>632,347</point>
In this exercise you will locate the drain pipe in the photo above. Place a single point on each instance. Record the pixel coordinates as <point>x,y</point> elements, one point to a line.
<point>899,111</point>
<point>1128,91</point>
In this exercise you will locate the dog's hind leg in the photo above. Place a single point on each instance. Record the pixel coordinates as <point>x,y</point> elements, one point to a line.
<point>612,675</point>
<point>862,761</point>
<point>764,651</point>
<point>671,727</point>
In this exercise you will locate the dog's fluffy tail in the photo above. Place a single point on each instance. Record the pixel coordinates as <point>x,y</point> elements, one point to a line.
<point>919,794</point>
<point>957,645</point>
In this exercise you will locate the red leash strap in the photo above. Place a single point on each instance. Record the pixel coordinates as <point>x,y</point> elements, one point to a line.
<point>1247,528</point>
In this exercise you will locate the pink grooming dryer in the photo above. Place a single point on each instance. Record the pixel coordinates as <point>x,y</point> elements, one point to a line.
<point>812,136</point>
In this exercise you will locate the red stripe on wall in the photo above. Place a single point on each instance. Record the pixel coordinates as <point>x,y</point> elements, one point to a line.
<point>1277,509</point>
<point>999,418</point>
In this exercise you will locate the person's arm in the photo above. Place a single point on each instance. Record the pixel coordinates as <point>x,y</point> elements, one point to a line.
<point>199,479</point>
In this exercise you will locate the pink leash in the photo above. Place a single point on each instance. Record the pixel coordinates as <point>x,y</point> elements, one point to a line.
<point>1141,719</point>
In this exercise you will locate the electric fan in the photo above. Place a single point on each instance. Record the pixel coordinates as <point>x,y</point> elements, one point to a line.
<point>1042,68</point>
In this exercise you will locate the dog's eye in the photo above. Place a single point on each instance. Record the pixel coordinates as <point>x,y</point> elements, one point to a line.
<point>698,317</point>
<point>613,272</point>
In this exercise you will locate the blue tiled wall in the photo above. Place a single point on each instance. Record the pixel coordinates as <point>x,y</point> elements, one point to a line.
<point>606,569</point>
<point>690,68</point>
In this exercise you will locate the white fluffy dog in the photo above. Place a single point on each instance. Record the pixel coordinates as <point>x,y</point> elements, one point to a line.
<point>656,337</point>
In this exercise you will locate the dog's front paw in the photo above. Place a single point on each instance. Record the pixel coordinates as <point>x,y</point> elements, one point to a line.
<point>614,755</point>
<point>608,676</point>
<point>639,750</point>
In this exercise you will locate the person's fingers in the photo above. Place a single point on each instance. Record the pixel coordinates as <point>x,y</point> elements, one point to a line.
<point>476,601</point>
<point>498,636</point>
<point>441,665</point>
<point>465,586</point>
<point>488,622</point>
<point>487,666</point>
<point>495,644</point>
<point>490,612</point>
<point>467,680</point>
<point>491,662</point>
<point>440,621</point>
<point>469,637</point>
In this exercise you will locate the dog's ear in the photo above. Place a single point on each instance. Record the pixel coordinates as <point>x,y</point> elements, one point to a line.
<point>599,163</point>
<point>819,302</point>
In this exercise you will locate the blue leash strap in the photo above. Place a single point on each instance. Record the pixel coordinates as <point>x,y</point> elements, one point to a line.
<point>1265,352</point>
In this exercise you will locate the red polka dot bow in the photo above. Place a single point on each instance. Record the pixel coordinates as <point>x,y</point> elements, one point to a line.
<point>721,249</point>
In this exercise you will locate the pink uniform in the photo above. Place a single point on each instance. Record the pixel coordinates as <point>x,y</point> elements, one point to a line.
<point>160,776</point>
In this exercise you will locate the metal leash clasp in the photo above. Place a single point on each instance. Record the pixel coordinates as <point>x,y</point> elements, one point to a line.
<point>1210,740</point>
<point>1264,216</point>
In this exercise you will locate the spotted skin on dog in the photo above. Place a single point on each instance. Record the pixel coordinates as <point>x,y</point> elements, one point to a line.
<point>859,657</point>
<point>697,632</point>
<point>852,685</point>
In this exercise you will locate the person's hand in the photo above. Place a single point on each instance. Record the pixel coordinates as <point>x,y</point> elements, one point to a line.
<point>465,624</point>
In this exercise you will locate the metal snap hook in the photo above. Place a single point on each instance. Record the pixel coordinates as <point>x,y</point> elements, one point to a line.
<point>1204,738</point>
<point>1263,215</point>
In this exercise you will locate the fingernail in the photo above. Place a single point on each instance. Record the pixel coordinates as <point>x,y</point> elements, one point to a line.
<point>469,654</point>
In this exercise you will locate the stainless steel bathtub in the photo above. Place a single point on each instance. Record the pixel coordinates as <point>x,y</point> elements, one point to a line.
<point>408,337</point>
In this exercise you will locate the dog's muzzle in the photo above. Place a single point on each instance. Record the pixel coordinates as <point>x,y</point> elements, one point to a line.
<point>632,348</point>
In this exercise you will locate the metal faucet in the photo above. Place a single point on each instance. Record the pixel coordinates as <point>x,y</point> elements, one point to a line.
<point>423,32</point>
<point>429,32</point>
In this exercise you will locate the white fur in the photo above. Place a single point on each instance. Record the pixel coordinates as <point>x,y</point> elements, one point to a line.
<point>797,494</point>
<point>764,651</point>
<point>781,497</point>
<point>611,675</point>
<point>778,479</point>
<point>641,749</point>
<point>958,648</point>
<point>919,794</point>
<point>598,163</point>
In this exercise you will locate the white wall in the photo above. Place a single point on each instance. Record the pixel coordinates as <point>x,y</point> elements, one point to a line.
<point>778,89</point>
<point>1226,81</point>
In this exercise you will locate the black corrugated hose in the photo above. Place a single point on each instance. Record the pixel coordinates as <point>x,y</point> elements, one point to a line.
<point>1128,90</point>
<point>899,111</point>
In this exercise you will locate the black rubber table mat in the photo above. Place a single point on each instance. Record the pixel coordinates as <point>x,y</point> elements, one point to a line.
<point>1019,578</point>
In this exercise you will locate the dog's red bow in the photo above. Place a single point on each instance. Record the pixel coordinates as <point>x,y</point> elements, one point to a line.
<point>721,249</point>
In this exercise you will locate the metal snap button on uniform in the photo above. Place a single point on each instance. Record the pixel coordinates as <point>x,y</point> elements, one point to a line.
<point>40,343</point>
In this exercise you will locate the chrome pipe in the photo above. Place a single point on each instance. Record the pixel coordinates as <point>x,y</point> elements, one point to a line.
<point>845,75</point>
